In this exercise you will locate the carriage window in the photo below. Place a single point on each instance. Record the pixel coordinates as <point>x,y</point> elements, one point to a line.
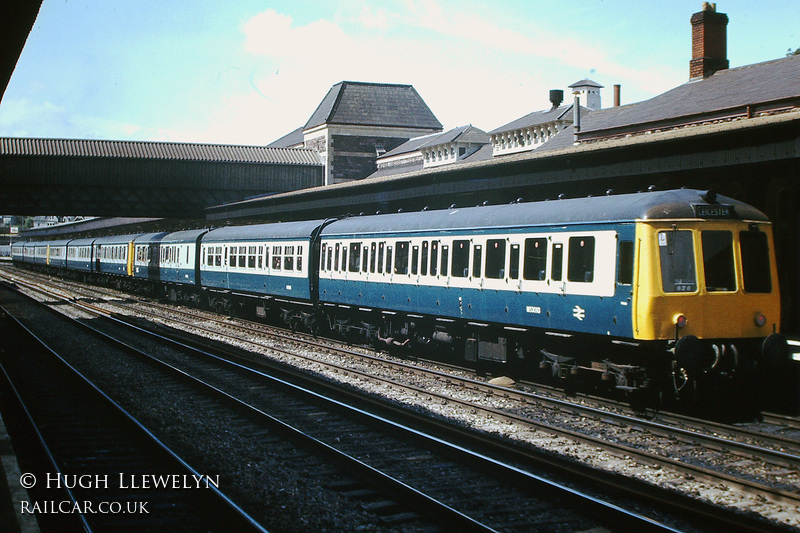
<point>580,265</point>
<point>513,266</point>
<point>445,258</point>
<point>299,262</point>
<point>323,264</point>
<point>676,249</point>
<point>720,273</point>
<point>625,275</point>
<point>276,257</point>
<point>477,257</point>
<point>288,257</point>
<point>535,262</point>
<point>414,259</point>
<point>381,250</point>
<point>365,259</point>
<point>557,264</point>
<point>242,256</point>
<point>336,258</point>
<point>434,257</point>
<point>251,256</point>
<point>260,257</point>
<point>355,256</point>
<point>343,263</point>
<point>373,257</point>
<point>424,265</point>
<point>496,258</point>
<point>388,259</point>
<point>460,259</point>
<point>218,260</point>
<point>401,257</point>
<point>755,261</point>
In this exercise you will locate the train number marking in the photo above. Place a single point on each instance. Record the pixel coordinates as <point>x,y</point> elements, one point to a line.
<point>578,312</point>
<point>535,309</point>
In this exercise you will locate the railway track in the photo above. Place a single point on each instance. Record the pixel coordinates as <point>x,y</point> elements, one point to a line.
<point>451,484</point>
<point>788,461</point>
<point>89,464</point>
<point>778,432</point>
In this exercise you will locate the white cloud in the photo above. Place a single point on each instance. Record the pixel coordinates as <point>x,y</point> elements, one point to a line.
<point>467,67</point>
<point>273,34</point>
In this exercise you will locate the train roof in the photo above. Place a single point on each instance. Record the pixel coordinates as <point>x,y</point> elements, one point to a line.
<point>281,230</point>
<point>116,239</point>
<point>83,242</point>
<point>151,237</point>
<point>651,205</point>
<point>184,236</point>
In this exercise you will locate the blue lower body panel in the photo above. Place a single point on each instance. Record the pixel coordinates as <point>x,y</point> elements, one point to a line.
<point>281,286</point>
<point>185,276</point>
<point>586,314</point>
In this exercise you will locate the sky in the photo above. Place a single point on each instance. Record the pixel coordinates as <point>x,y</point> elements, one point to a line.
<point>248,72</point>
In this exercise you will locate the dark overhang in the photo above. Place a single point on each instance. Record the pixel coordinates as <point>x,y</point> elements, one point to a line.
<point>590,167</point>
<point>143,179</point>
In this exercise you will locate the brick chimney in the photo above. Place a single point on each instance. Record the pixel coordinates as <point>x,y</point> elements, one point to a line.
<point>709,42</point>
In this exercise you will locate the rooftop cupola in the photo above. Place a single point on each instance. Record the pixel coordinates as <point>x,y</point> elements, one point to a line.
<point>589,92</point>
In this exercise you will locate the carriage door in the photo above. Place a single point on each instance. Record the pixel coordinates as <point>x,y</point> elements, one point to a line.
<point>556,279</point>
<point>153,256</point>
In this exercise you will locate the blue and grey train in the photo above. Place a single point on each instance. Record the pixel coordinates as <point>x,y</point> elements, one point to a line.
<point>657,290</point>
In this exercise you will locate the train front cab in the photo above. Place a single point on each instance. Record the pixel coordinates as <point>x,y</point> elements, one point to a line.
<point>706,293</point>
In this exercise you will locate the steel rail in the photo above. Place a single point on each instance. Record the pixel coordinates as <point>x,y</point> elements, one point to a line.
<point>619,515</point>
<point>246,521</point>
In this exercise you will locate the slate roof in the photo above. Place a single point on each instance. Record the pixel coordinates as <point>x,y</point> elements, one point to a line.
<point>768,85</point>
<point>289,140</point>
<point>411,145</point>
<point>536,118</point>
<point>373,104</point>
<point>467,134</point>
<point>586,82</point>
<point>14,146</point>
